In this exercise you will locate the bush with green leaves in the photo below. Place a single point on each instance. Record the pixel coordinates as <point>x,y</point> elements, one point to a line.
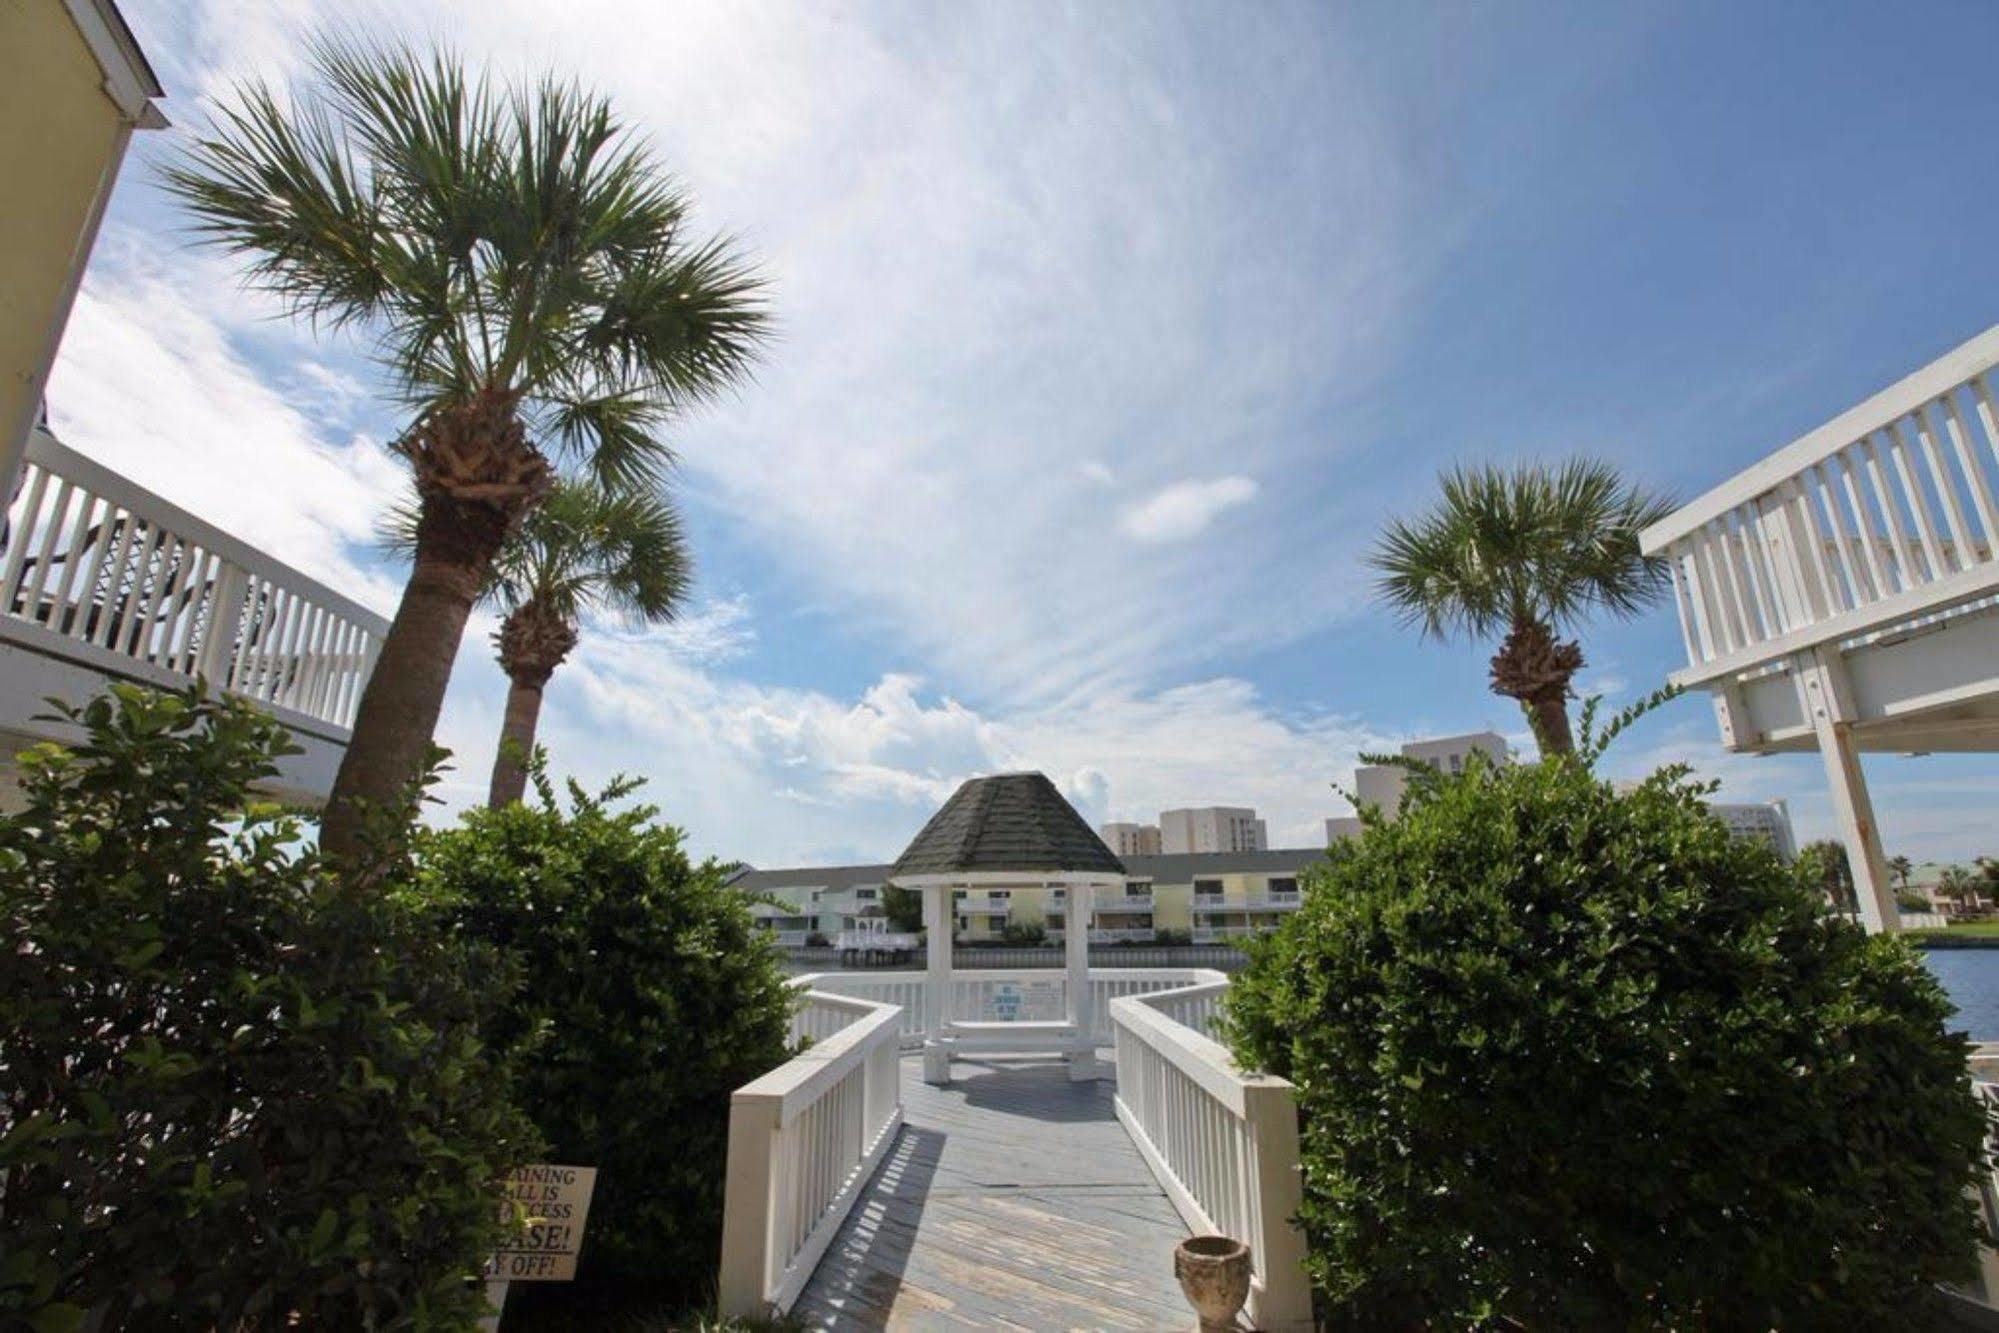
<point>236,1091</point>
<point>1570,1058</point>
<point>650,994</point>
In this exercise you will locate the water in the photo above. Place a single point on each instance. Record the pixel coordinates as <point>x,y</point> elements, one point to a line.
<point>1972,978</point>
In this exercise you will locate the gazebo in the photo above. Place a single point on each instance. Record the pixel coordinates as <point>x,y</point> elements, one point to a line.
<point>1008,830</point>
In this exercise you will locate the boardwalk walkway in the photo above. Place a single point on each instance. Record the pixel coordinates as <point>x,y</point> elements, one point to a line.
<point>1013,1200</point>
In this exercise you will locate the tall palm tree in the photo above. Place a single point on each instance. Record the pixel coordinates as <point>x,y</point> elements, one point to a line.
<point>1526,552</point>
<point>586,549</point>
<point>1901,868</point>
<point>523,271</point>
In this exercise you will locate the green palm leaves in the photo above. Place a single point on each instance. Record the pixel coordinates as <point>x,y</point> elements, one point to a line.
<point>522,269</point>
<point>1526,552</point>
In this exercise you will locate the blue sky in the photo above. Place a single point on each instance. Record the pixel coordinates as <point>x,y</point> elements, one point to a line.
<point>1110,336</point>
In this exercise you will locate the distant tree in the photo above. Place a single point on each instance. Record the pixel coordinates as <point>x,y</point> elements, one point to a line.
<point>903,907</point>
<point>1822,867</point>
<point>1901,868</point>
<point>1528,553</point>
<point>1988,876</point>
<point>1959,885</point>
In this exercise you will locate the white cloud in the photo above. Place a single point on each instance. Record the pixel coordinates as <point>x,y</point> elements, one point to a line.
<point>966,310</point>
<point>1184,509</point>
<point>718,630</point>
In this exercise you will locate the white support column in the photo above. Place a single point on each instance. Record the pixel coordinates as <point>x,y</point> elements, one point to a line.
<point>938,921</point>
<point>1828,705</point>
<point>1076,953</point>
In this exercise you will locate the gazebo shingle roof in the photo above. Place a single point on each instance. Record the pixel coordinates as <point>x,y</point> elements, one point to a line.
<point>1007,822</point>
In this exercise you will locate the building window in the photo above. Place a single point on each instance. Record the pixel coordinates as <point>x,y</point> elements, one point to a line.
<point>1138,888</point>
<point>1207,888</point>
<point>864,895</point>
<point>1283,888</point>
<point>1055,920</point>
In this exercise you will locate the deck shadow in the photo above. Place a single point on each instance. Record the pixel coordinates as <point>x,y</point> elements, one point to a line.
<point>857,1279</point>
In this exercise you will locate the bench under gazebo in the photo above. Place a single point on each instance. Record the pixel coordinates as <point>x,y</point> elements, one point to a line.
<point>1000,832</point>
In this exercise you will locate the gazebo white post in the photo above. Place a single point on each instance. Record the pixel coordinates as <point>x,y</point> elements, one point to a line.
<point>1076,953</point>
<point>937,920</point>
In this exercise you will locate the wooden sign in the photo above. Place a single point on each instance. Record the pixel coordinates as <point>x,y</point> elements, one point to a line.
<point>556,1201</point>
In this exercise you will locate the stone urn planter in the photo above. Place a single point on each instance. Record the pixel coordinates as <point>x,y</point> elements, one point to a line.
<point>1214,1274</point>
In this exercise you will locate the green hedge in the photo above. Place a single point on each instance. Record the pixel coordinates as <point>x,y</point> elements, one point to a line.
<point>235,1091</point>
<point>1576,1059</point>
<point>649,995</point>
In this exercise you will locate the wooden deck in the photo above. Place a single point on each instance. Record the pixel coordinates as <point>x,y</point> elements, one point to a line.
<point>1013,1199</point>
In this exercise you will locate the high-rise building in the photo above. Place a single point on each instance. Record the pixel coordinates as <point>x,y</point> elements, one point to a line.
<point>1766,821</point>
<point>1211,828</point>
<point>1381,785</point>
<point>1131,839</point>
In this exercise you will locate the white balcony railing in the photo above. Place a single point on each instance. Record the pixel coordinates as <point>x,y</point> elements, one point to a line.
<point>100,571</point>
<point>1114,903</point>
<point>1222,1143</point>
<point>803,1140</point>
<point>1221,934</point>
<point>982,903</point>
<point>1209,904</point>
<point>1881,521</point>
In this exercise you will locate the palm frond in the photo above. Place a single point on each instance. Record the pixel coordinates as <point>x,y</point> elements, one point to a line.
<point>1530,543</point>
<point>512,240</point>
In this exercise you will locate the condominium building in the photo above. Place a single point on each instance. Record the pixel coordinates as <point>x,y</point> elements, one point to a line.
<point>1203,897</point>
<point>1212,828</point>
<point>1381,786</point>
<point>1131,839</point>
<point>1767,821</point>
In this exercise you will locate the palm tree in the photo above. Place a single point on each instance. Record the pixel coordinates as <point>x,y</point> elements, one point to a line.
<point>585,549</point>
<point>1528,552</point>
<point>522,269</point>
<point>1901,868</point>
<point>1823,867</point>
<point>1959,885</point>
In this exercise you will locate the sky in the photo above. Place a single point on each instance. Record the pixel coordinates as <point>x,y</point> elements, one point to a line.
<point>1109,335</point>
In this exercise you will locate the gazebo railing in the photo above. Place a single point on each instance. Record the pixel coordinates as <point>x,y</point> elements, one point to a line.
<point>1223,1144</point>
<point>977,993</point>
<point>803,1140</point>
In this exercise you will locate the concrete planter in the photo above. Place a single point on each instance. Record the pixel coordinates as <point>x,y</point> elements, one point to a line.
<point>1214,1274</point>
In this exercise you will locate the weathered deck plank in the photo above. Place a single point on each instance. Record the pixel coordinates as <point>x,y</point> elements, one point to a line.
<point>1013,1200</point>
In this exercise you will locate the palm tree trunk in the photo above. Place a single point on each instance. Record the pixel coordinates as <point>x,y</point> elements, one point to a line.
<point>1548,715</point>
<point>455,545</point>
<point>1535,668</point>
<point>516,740</point>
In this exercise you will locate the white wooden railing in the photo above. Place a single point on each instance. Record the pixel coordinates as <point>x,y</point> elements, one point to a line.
<point>99,570</point>
<point>1880,521</point>
<point>974,991</point>
<point>1222,1143</point>
<point>803,1140</point>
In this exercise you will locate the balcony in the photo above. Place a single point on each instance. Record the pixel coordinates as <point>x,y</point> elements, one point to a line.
<point>101,580</point>
<point>1129,902</point>
<point>1222,934</point>
<point>983,903</point>
<point>1849,579</point>
<point>1249,902</point>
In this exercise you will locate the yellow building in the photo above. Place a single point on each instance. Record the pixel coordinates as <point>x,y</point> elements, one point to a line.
<point>73,87</point>
<point>1201,897</point>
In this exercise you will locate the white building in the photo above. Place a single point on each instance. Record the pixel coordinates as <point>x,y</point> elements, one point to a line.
<point>1769,821</point>
<point>1131,839</point>
<point>1381,786</point>
<point>1211,828</point>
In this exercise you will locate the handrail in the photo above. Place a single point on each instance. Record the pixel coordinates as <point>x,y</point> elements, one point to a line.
<point>1222,1143</point>
<point>1882,518</point>
<point>97,568</point>
<point>803,1140</point>
<point>973,990</point>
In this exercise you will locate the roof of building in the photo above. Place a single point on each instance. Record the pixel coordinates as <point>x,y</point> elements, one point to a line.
<point>1007,822</point>
<point>1185,867</point>
<point>810,877</point>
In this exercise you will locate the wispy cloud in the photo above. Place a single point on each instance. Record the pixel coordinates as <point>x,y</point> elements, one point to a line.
<point>1184,509</point>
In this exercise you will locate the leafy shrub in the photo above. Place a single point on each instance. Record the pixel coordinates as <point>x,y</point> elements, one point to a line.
<point>1913,902</point>
<point>1172,938</point>
<point>903,908</point>
<point>234,1089</point>
<point>817,940</point>
<point>1573,1059</point>
<point>650,995</point>
<point>1026,934</point>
